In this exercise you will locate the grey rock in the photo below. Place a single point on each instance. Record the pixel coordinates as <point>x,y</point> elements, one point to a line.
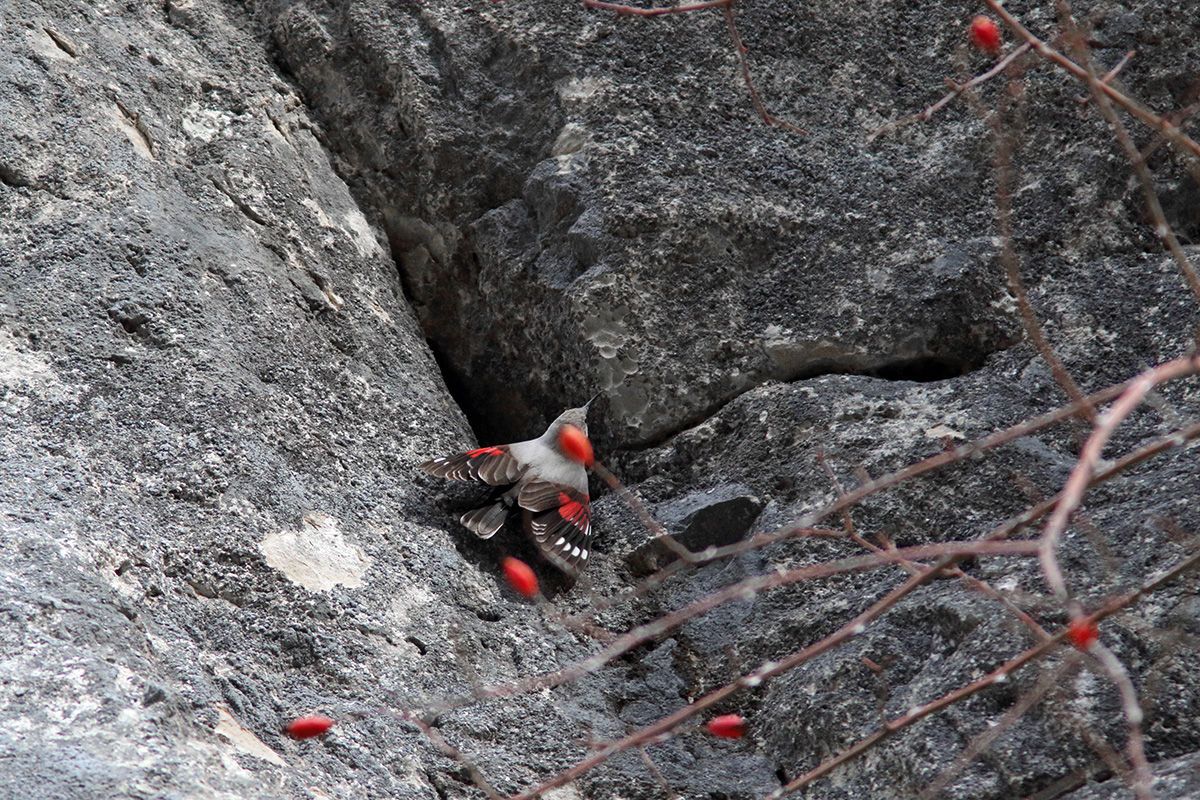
<point>255,256</point>
<point>712,518</point>
<point>715,517</point>
<point>1174,779</point>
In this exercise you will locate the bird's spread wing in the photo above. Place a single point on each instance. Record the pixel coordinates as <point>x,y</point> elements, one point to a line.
<point>560,520</point>
<point>492,465</point>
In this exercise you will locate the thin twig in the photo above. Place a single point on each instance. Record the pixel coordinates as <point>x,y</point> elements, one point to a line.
<point>1182,142</point>
<point>955,91</point>
<point>913,715</point>
<point>961,453</point>
<point>1003,140</point>
<point>768,118</point>
<point>805,525</point>
<point>656,530</point>
<point>634,11</point>
<point>1082,475</point>
<point>448,749</point>
<point>764,672</point>
<point>847,519</point>
<point>740,48</point>
<point>996,676</point>
<point>656,774</point>
<point>1112,73</point>
<point>1142,780</point>
<point>999,532</point>
<point>1162,229</point>
<point>975,583</point>
<point>1046,681</point>
<point>749,588</point>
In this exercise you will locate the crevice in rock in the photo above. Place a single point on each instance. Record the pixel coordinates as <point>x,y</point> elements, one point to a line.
<point>429,145</point>
<point>476,414</point>
<point>246,209</point>
<point>918,369</point>
<point>486,208</point>
<point>62,42</point>
<point>10,177</point>
<point>922,369</point>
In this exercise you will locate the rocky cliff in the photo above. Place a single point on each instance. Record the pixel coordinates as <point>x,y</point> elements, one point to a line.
<point>260,259</point>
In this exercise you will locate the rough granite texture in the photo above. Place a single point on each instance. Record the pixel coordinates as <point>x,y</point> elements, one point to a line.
<point>259,259</point>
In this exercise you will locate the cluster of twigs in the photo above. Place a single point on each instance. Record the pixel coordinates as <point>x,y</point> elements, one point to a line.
<point>927,562</point>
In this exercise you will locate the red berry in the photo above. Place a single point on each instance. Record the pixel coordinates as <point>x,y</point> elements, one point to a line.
<point>575,445</point>
<point>1082,633</point>
<point>985,34</point>
<point>727,726</point>
<point>520,577</point>
<point>308,727</point>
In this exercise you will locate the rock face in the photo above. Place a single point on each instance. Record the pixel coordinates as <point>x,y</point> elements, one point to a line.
<point>582,209</point>
<point>256,256</point>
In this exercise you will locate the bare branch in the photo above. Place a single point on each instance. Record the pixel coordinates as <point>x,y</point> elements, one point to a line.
<point>1182,142</point>
<point>1082,475</point>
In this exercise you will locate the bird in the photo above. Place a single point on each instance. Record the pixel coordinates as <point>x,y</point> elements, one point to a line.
<point>550,489</point>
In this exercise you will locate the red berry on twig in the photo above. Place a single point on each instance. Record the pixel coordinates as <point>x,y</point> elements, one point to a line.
<point>520,576</point>
<point>727,726</point>
<point>1082,633</point>
<point>985,34</point>
<point>308,727</point>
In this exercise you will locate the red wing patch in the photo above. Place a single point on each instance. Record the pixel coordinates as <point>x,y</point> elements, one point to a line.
<point>491,465</point>
<point>571,510</point>
<point>563,531</point>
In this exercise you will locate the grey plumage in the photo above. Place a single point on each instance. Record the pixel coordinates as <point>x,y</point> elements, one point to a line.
<point>548,487</point>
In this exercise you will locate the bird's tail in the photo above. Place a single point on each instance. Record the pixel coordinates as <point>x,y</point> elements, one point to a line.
<point>485,521</point>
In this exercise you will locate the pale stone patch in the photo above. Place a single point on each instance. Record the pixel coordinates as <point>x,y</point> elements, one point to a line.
<point>31,372</point>
<point>241,738</point>
<point>317,556</point>
<point>942,431</point>
<point>361,233</point>
<point>568,792</point>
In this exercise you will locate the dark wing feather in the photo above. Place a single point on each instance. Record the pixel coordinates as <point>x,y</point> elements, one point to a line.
<point>560,520</point>
<point>492,465</point>
<point>485,521</point>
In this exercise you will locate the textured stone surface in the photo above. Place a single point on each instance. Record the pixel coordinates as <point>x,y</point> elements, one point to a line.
<point>1173,780</point>
<point>230,230</point>
<point>588,210</point>
<point>617,185</point>
<point>210,376</point>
